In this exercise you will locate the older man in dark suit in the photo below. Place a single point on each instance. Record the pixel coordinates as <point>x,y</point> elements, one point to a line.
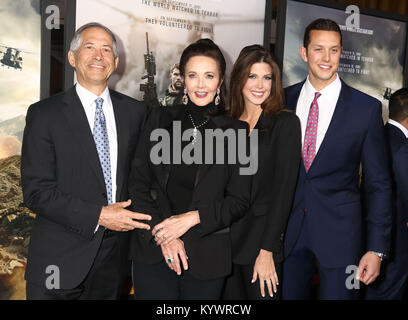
<point>75,163</point>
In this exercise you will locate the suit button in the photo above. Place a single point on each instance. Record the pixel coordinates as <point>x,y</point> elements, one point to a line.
<point>104,195</point>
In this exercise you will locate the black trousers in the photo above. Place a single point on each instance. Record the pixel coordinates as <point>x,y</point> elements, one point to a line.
<point>103,282</point>
<point>238,285</point>
<point>158,282</point>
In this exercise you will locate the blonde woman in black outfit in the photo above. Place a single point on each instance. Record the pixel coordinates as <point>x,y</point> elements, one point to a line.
<point>187,252</point>
<point>257,97</point>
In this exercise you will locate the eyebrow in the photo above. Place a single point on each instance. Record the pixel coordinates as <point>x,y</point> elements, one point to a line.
<point>207,72</point>
<point>321,46</point>
<point>93,43</point>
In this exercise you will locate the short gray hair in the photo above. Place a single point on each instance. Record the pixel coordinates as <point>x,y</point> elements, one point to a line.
<point>77,39</point>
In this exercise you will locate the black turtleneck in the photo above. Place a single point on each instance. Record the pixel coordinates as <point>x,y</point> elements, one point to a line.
<point>182,176</point>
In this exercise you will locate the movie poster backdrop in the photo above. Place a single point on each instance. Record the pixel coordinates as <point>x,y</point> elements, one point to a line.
<point>152,34</point>
<point>20,70</point>
<point>374,55</point>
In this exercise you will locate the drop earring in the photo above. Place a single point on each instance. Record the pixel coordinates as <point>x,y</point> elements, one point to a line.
<point>185,98</point>
<point>217,98</point>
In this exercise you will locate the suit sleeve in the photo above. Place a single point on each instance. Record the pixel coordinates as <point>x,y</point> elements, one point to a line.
<point>141,175</point>
<point>377,184</point>
<point>287,154</point>
<point>223,212</point>
<point>400,167</point>
<point>39,180</point>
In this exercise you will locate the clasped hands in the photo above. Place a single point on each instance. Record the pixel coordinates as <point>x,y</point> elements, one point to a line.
<point>167,234</point>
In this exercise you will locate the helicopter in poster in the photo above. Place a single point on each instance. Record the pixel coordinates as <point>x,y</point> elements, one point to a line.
<point>11,57</point>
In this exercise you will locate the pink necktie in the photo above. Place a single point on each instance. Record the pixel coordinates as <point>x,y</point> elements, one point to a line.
<point>309,145</point>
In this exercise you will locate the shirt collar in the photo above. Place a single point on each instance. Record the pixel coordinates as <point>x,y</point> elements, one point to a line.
<point>328,91</point>
<point>399,126</point>
<point>88,98</point>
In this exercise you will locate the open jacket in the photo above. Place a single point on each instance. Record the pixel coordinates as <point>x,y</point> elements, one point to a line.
<point>221,195</point>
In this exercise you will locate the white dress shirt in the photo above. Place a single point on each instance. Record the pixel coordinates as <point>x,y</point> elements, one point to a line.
<point>327,104</point>
<point>399,126</point>
<point>88,102</point>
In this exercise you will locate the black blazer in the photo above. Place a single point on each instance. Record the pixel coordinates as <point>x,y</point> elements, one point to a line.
<point>220,195</point>
<point>63,182</point>
<point>273,188</point>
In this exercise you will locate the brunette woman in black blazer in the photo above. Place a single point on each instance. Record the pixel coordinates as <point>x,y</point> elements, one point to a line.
<point>257,97</point>
<point>187,252</point>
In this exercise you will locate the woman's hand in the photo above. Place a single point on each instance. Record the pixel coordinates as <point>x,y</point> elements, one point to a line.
<point>173,253</point>
<point>264,268</point>
<point>174,227</point>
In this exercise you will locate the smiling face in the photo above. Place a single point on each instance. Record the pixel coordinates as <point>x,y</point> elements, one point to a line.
<point>94,61</point>
<point>323,57</point>
<point>258,86</point>
<point>202,79</point>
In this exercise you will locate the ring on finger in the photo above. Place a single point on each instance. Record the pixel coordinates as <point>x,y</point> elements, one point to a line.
<point>170,260</point>
<point>164,238</point>
<point>268,281</point>
<point>158,231</point>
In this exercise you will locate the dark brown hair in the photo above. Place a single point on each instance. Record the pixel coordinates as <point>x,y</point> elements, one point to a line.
<point>398,105</point>
<point>323,25</point>
<point>206,48</point>
<point>239,76</point>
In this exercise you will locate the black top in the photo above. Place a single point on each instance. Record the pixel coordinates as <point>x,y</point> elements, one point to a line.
<point>220,194</point>
<point>272,189</point>
<point>182,176</point>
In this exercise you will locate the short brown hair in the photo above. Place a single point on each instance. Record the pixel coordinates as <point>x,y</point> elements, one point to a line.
<point>323,25</point>
<point>239,76</point>
<point>398,105</point>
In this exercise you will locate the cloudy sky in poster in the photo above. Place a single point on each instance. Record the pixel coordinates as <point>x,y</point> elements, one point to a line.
<point>20,25</point>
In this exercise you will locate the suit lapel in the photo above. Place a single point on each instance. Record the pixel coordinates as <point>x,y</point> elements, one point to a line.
<point>292,95</point>
<point>122,138</point>
<point>76,118</point>
<point>338,119</point>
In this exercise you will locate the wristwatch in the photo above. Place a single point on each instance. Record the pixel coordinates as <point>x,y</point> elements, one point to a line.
<point>380,255</point>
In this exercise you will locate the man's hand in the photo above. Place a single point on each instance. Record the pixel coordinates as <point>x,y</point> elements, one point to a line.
<point>174,227</point>
<point>369,268</point>
<point>116,217</point>
<point>171,253</point>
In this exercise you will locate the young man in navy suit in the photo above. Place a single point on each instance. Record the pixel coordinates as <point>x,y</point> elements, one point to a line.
<point>392,282</point>
<point>341,129</point>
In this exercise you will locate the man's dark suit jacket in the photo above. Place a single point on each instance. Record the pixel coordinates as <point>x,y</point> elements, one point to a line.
<point>272,191</point>
<point>220,195</point>
<point>63,182</point>
<point>329,195</point>
<point>398,144</point>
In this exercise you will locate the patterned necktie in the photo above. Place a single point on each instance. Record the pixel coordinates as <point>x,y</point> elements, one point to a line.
<point>309,145</point>
<point>100,134</point>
